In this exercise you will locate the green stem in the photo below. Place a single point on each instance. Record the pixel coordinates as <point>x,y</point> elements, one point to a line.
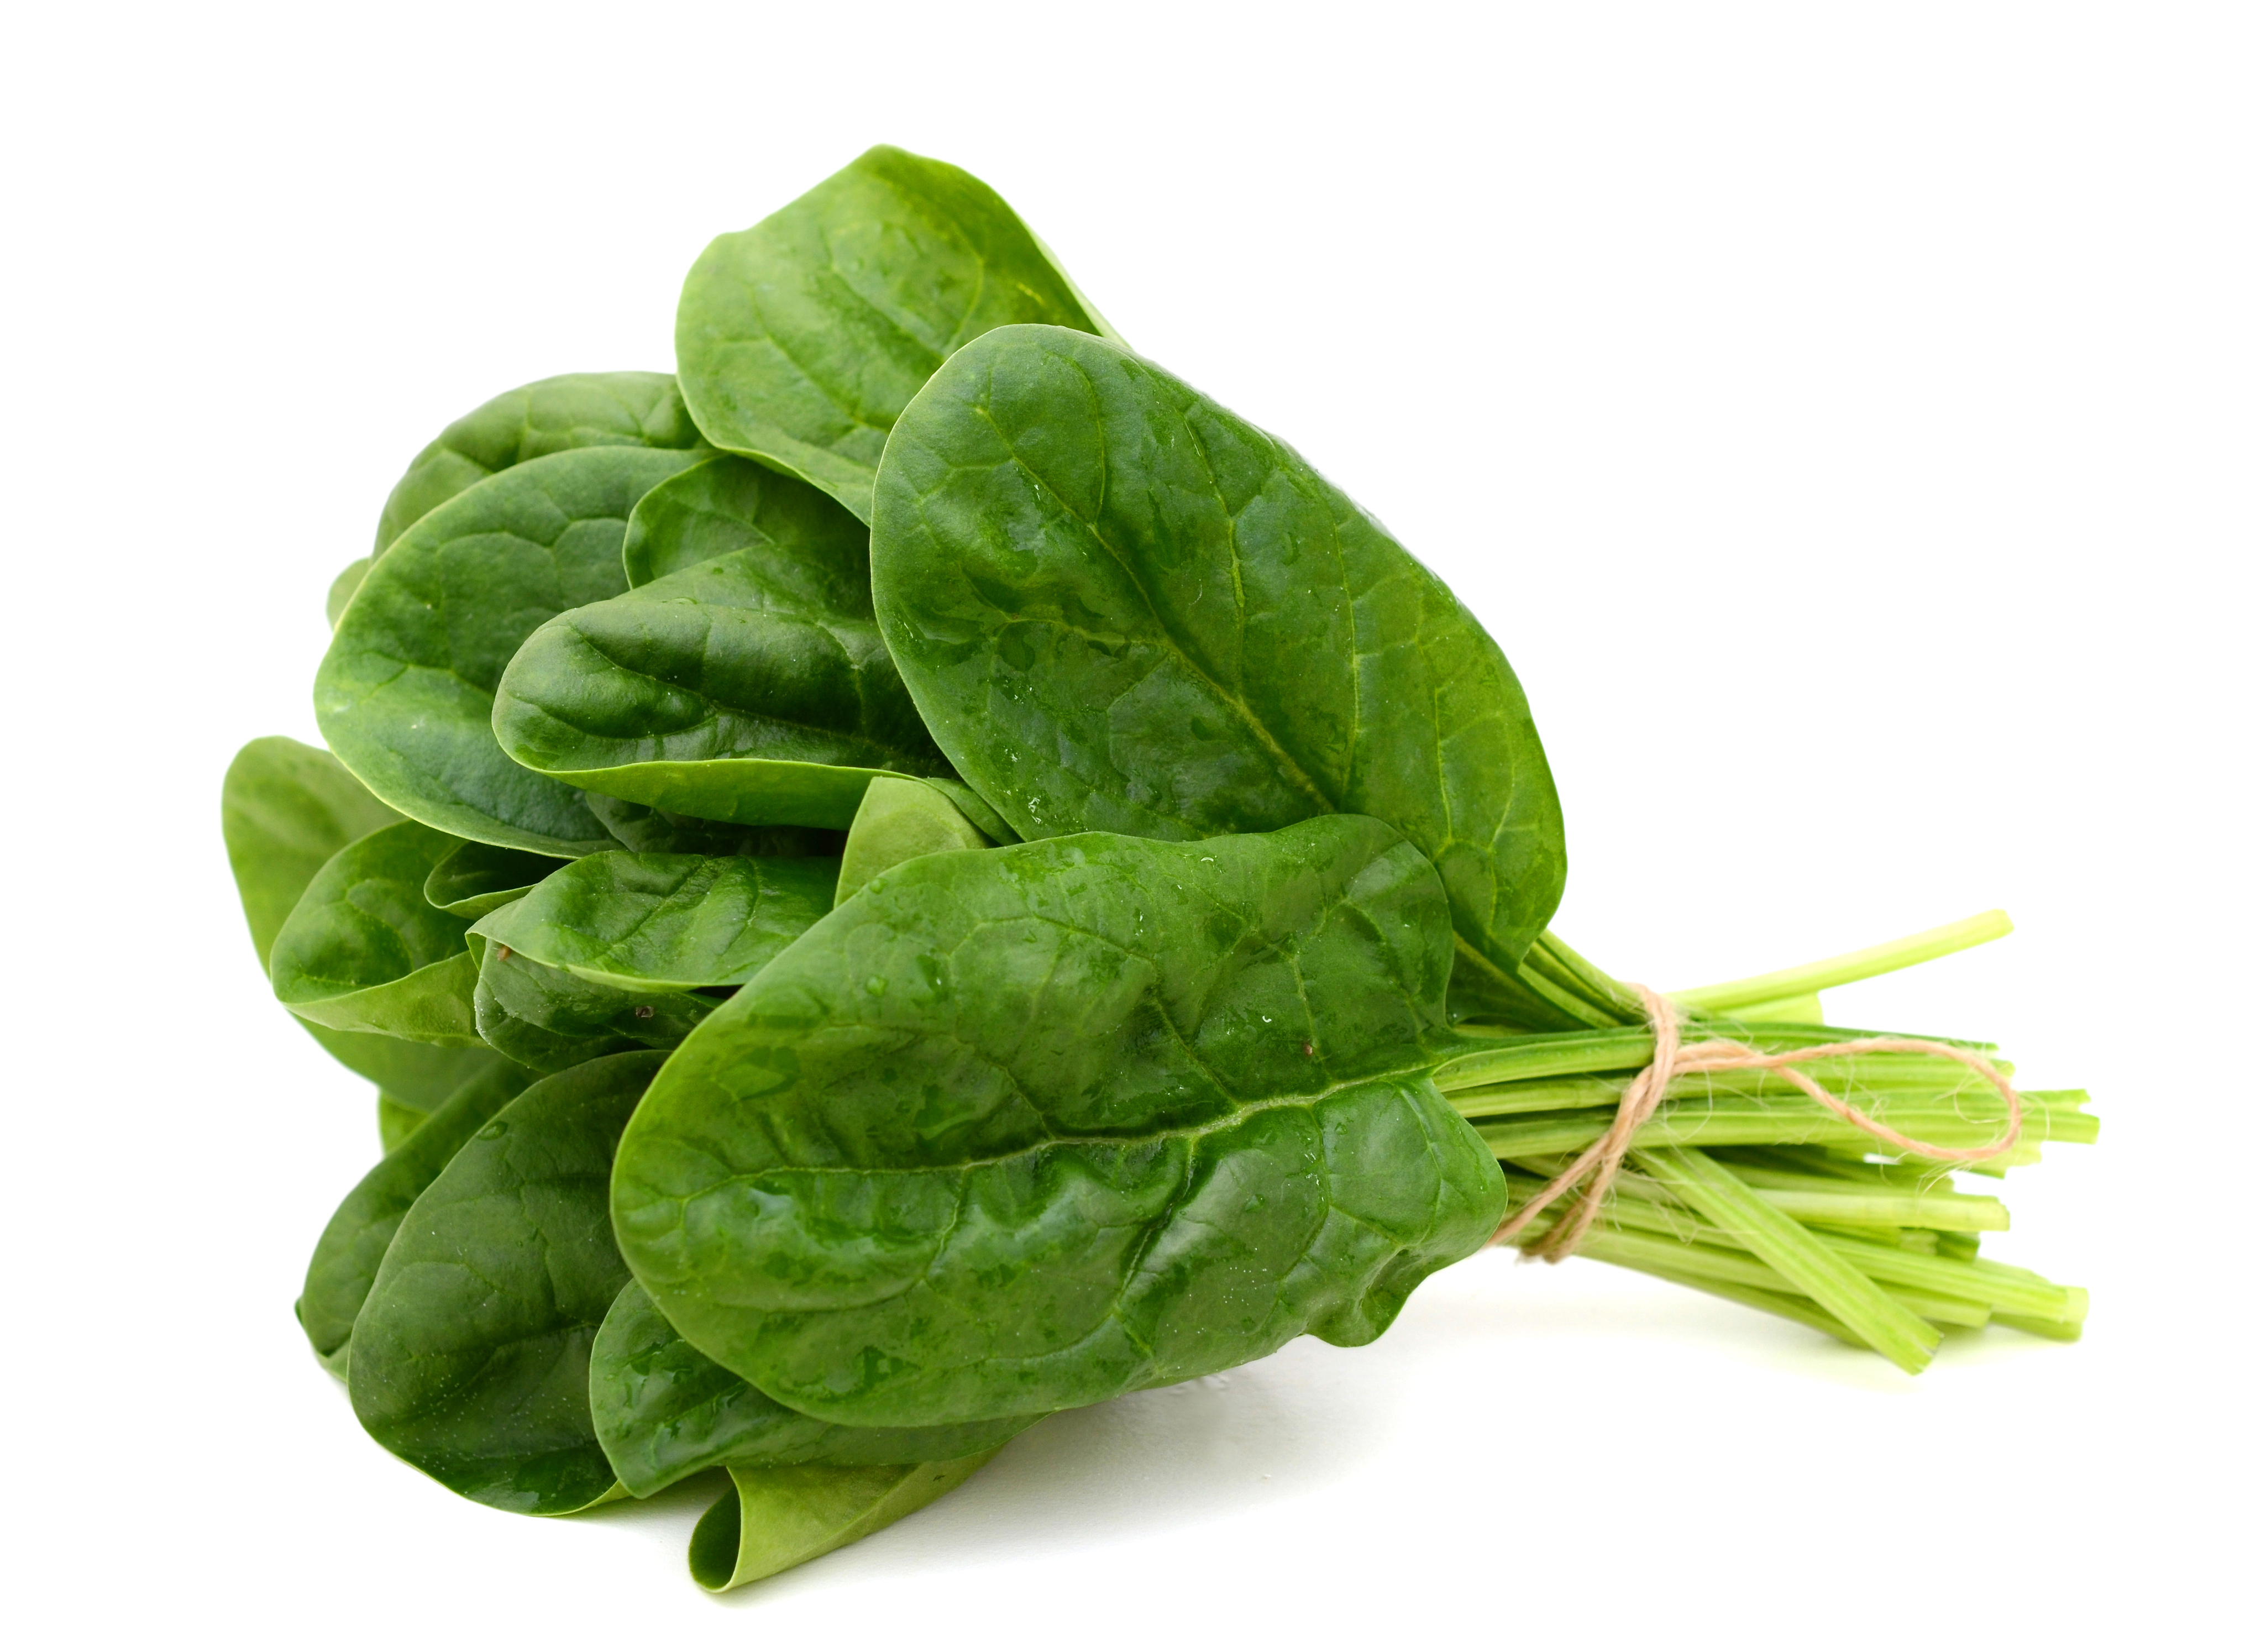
<point>1849,966</point>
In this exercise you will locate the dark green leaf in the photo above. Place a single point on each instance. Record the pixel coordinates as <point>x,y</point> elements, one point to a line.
<point>347,1255</point>
<point>727,503</point>
<point>550,1020</point>
<point>753,687</point>
<point>655,831</point>
<point>800,340</point>
<point>365,950</point>
<point>638,922</point>
<point>575,410</point>
<point>472,1352</point>
<point>899,820</point>
<point>665,1410</point>
<point>475,879</point>
<point>406,691</point>
<point>773,1519</point>
<point>1023,1130</point>
<point>1122,608</point>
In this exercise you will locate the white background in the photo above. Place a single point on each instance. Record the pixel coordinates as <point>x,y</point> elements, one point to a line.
<point>1848,419</point>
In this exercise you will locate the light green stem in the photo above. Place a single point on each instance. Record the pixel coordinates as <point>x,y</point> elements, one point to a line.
<point>1849,966</point>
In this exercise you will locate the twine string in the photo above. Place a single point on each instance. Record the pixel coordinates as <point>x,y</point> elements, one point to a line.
<point>1600,1162</point>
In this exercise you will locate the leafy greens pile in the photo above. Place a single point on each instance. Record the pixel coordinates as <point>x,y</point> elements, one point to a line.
<point>919,873</point>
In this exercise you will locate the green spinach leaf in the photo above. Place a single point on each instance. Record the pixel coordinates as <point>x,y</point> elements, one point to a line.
<point>897,821</point>
<point>1018,1130</point>
<point>364,952</point>
<point>472,1352</point>
<point>800,340</point>
<point>637,922</point>
<point>473,880</point>
<point>354,1243</point>
<point>726,503</point>
<point>551,1020</point>
<point>753,688</point>
<point>397,1121</point>
<point>665,1410</point>
<point>647,830</point>
<point>773,1519</point>
<point>1122,608</point>
<point>551,415</point>
<point>406,691</point>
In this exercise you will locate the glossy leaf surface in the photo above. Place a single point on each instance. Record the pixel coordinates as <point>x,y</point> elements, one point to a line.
<point>641,921</point>
<point>753,687</point>
<point>364,952</point>
<point>1122,608</point>
<point>646,830</point>
<point>1023,1130</point>
<point>897,821</point>
<point>353,1244</point>
<point>472,1352</point>
<point>285,808</point>
<point>726,503</point>
<point>665,1410</point>
<point>473,880</point>
<point>406,691</point>
<point>800,340</point>
<point>574,410</point>
<point>551,1020</point>
<point>773,1519</point>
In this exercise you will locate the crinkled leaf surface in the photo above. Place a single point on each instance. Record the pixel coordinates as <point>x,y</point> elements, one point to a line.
<point>472,1352</point>
<point>406,691</point>
<point>753,687</point>
<point>551,1020</point>
<point>1122,608</point>
<point>800,340</point>
<point>347,1255</point>
<point>665,1410</point>
<point>1023,1130</point>
<point>726,503</point>
<point>639,921</point>
<point>773,1519</point>
<point>574,410</point>
<point>473,880</point>
<point>365,952</point>
<point>897,821</point>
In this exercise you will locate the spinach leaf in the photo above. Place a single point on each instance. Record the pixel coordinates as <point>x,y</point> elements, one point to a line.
<point>551,1020</point>
<point>1121,608</point>
<point>665,1410</point>
<point>1013,1131</point>
<point>343,588</point>
<point>364,952</point>
<point>551,415</point>
<point>726,503</point>
<point>397,1121</point>
<point>473,880</point>
<point>285,808</point>
<point>354,1244</point>
<point>647,830</point>
<point>898,820</point>
<point>472,1352</point>
<point>405,692</point>
<point>754,687</point>
<point>637,922</point>
<point>773,1519</point>
<point>800,340</point>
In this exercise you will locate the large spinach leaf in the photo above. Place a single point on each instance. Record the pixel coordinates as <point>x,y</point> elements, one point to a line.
<point>647,830</point>
<point>365,952</point>
<point>1122,608</point>
<point>640,921</point>
<point>727,503</point>
<point>354,1243</point>
<point>551,1020</point>
<point>665,1410</point>
<point>1021,1129</point>
<point>754,687</point>
<point>551,415</point>
<point>406,691</point>
<point>773,1519</point>
<point>472,1352</point>
<point>800,340</point>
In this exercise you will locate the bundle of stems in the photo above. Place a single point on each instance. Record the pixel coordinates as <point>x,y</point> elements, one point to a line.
<point>1740,1185</point>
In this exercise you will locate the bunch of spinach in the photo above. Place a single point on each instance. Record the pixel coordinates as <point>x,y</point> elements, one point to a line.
<point>919,873</point>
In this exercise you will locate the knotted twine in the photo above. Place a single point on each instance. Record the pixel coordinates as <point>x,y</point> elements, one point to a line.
<point>1671,1058</point>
